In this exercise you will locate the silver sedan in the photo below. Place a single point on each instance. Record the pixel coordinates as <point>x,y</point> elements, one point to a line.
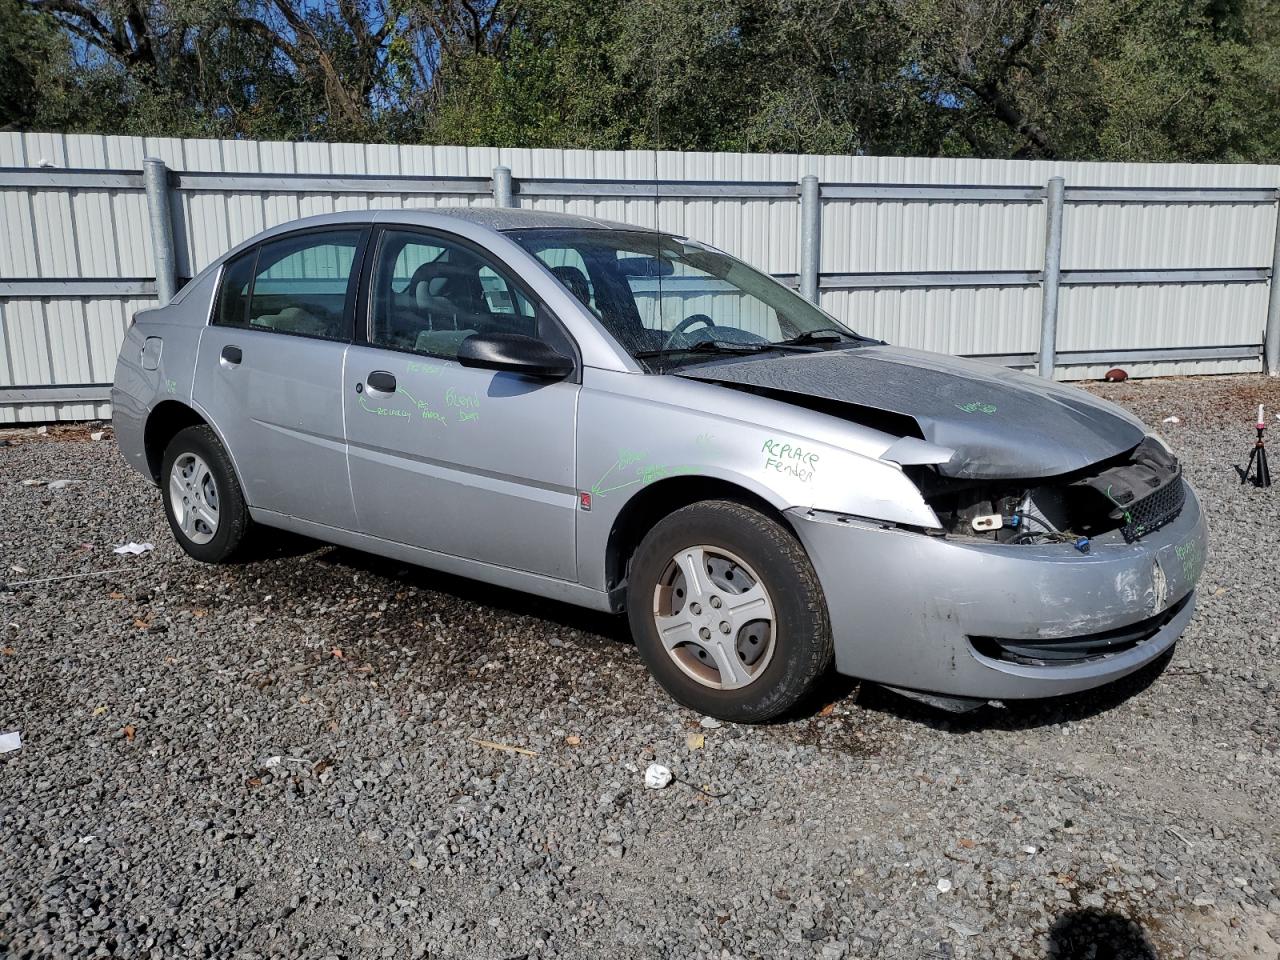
<point>633,421</point>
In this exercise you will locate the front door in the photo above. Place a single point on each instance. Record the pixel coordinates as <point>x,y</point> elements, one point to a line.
<point>269,371</point>
<point>471,463</point>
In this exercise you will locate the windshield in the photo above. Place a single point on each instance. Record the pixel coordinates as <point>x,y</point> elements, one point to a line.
<point>670,302</point>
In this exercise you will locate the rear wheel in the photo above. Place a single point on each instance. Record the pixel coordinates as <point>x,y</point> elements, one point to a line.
<point>202,498</point>
<point>727,612</point>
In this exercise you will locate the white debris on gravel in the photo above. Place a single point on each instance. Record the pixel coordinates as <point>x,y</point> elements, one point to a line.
<point>153,692</point>
<point>136,548</point>
<point>10,742</point>
<point>656,776</point>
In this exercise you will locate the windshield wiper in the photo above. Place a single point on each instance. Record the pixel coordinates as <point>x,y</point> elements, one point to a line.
<point>820,335</point>
<point>705,346</point>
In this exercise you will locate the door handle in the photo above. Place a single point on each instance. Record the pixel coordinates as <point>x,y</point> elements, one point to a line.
<point>381,382</point>
<point>232,355</point>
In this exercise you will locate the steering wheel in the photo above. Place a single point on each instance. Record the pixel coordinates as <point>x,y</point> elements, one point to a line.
<point>685,324</point>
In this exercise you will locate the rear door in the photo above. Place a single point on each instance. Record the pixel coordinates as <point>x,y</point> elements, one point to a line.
<point>472,463</point>
<point>269,372</point>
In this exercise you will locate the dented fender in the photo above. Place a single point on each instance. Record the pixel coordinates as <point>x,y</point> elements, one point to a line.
<point>634,432</point>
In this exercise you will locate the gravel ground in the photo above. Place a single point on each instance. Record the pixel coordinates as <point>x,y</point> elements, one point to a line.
<point>280,758</point>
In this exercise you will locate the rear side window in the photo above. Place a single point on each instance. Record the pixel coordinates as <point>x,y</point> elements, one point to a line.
<point>233,298</point>
<point>301,285</point>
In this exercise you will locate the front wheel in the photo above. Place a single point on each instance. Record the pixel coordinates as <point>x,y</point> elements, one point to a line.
<point>727,612</point>
<point>202,498</point>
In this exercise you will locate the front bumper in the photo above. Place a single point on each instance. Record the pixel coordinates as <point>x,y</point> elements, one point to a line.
<point>920,612</point>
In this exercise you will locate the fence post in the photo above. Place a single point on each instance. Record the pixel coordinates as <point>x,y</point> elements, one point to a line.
<point>502,187</point>
<point>810,236</point>
<point>1052,272</point>
<point>155,177</point>
<point>1271,345</point>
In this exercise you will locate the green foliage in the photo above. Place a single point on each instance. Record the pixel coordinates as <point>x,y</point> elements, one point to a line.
<point>31,50</point>
<point>1154,80</point>
<point>550,87</point>
<point>504,102</point>
<point>1096,79</point>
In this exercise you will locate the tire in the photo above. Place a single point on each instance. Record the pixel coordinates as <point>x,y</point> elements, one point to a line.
<point>196,470</point>
<point>775,667</point>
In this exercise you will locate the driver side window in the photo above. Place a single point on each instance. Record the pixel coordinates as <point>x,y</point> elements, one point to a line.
<point>429,294</point>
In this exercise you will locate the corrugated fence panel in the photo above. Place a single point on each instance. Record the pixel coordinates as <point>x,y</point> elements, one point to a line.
<point>1097,236</point>
<point>102,232</point>
<point>61,341</point>
<point>973,321</point>
<point>1102,318</point>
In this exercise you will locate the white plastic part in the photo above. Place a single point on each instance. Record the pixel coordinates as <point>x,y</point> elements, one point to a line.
<point>988,521</point>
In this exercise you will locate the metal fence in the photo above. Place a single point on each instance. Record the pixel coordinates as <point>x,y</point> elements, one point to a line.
<point>1071,268</point>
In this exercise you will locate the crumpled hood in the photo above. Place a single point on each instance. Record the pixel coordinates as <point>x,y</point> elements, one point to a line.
<point>1001,423</point>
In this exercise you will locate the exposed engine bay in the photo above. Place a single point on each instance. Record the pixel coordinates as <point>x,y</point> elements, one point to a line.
<point>1133,494</point>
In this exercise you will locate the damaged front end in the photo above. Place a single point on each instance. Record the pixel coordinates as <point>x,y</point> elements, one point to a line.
<point>1124,497</point>
<point>1033,588</point>
<point>1067,547</point>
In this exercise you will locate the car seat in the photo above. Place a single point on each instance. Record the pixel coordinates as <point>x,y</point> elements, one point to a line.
<point>295,320</point>
<point>575,281</point>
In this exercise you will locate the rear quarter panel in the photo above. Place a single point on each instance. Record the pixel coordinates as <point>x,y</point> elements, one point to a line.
<point>139,388</point>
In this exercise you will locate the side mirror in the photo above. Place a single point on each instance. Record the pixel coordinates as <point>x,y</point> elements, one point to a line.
<point>514,353</point>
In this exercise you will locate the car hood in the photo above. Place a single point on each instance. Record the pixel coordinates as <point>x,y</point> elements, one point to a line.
<point>1000,423</point>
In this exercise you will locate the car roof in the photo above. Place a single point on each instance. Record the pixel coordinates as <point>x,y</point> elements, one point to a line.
<point>496,219</point>
<point>508,218</point>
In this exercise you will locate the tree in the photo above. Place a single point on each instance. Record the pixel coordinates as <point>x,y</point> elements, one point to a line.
<point>1096,79</point>
<point>31,49</point>
<point>1082,79</point>
<point>224,67</point>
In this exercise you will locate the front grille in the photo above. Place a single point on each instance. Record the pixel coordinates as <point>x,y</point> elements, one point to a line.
<point>1087,646</point>
<point>1143,493</point>
<point>1154,511</point>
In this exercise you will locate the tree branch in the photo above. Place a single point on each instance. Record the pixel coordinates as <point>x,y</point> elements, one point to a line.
<point>96,32</point>
<point>335,86</point>
<point>273,38</point>
<point>1012,116</point>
